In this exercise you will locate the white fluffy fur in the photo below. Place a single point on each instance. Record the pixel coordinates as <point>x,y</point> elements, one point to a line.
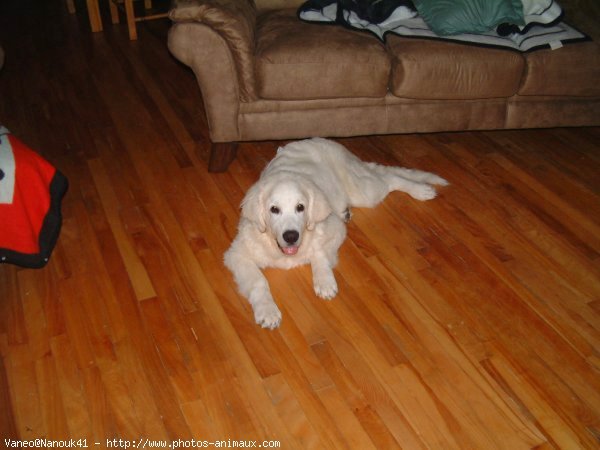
<point>326,180</point>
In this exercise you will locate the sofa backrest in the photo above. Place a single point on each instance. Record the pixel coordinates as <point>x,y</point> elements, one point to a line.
<point>266,5</point>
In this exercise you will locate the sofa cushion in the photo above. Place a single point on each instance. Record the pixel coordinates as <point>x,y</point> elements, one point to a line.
<point>571,70</point>
<point>424,69</point>
<point>296,60</point>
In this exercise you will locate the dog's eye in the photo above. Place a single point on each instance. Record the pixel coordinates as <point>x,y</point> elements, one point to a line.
<point>299,207</point>
<point>274,210</point>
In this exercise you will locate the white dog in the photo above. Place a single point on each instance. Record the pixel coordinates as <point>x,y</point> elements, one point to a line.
<point>295,214</point>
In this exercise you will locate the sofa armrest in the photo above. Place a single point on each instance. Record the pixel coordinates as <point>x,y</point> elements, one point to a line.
<point>208,55</point>
<point>234,21</point>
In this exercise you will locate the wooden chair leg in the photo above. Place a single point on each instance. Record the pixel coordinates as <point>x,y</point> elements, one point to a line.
<point>221,155</point>
<point>71,6</point>
<point>94,15</point>
<point>131,25</point>
<point>114,12</point>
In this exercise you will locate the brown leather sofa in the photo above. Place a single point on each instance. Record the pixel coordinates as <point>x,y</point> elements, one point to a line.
<point>265,75</point>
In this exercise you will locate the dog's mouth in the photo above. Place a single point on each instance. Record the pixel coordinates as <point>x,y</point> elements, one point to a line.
<point>290,242</point>
<point>289,250</point>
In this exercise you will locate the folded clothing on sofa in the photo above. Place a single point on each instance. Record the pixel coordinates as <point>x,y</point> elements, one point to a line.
<point>517,24</point>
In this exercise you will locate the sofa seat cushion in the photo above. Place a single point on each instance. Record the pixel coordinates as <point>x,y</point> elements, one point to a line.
<point>572,70</point>
<point>424,69</point>
<point>296,60</point>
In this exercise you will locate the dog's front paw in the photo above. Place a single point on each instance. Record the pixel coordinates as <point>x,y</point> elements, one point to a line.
<point>325,286</point>
<point>267,315</point>
<point>422,192</point>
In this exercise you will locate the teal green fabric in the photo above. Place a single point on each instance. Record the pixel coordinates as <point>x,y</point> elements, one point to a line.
<point>447,17</point>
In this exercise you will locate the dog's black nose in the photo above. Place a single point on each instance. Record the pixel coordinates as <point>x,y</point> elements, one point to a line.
<point>291,236</point>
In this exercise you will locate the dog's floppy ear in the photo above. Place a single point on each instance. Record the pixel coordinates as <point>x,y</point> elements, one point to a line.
<point>253,207</point>
<point>318,207</point>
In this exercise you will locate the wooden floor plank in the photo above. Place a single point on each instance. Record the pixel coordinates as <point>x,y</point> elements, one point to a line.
<point>302,433</point>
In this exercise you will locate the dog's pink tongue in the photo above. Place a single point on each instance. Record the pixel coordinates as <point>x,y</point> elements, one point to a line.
<point>290,250</point>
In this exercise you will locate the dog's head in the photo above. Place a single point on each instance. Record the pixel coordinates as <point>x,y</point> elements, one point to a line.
<point>285,206</point>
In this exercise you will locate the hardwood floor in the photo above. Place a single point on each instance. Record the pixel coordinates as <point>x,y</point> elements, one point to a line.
<point>468,322</point>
